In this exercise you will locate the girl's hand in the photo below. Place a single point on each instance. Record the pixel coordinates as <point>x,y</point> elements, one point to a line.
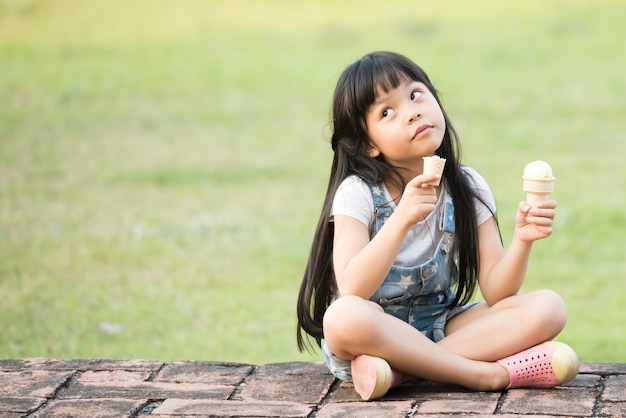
<point>419,199</point>
<point>535,223</point>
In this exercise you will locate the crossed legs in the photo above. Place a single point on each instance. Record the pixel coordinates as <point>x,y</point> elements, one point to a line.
<point>475,339</point>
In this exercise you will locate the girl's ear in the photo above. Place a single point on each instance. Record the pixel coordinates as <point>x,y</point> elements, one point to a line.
<point>372,151</point>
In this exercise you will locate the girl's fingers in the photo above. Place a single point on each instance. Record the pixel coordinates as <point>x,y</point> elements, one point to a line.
<point>546,204</point>
<point>540,213</point>
<point>423,180</point>
<point>539,220</point>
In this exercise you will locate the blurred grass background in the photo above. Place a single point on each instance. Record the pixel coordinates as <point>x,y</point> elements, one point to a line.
<point>163,163</point>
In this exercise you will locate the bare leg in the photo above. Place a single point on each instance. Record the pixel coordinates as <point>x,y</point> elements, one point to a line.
<point>354,326</point>
<point>475,339</point>
<point>490,333</point>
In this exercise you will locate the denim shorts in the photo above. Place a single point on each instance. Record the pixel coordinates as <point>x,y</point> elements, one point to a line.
<point>431,322</point>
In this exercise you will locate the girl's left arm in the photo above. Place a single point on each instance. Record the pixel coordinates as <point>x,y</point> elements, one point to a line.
<point>502,273</point>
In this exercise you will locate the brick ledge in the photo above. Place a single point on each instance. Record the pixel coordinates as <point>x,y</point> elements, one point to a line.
<point>42,387</point>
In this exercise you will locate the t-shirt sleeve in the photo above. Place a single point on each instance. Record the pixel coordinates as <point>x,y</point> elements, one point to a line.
<point>487,207</point>
<point>353,198</point>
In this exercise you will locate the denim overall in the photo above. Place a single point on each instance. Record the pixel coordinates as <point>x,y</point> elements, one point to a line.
<point>419,295</point>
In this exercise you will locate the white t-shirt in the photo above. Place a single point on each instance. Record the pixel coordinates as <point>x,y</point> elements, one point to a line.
<point>354,199</point>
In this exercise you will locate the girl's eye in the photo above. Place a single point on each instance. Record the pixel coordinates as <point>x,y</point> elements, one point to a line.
<point>415,94</point>
<point>387,112</point>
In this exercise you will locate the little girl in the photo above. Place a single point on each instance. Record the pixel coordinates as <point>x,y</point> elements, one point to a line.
<point>395,261</point>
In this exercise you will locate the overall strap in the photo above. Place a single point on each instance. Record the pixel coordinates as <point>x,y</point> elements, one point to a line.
<point>446,222</point>
<point>382,208</point>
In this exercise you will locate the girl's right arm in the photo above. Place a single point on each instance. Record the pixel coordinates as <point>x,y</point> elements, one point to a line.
<point>361,265</point>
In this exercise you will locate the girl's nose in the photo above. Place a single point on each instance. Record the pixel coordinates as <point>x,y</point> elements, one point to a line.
<point>414,115</point>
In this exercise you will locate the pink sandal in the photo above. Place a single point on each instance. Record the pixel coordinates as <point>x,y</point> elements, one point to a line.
<point>543,366</point>
<point>373,377</point>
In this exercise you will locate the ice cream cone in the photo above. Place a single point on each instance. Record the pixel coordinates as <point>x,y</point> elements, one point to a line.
<point>537,189</point>
<point>434,165</point>
<point>533,198</point>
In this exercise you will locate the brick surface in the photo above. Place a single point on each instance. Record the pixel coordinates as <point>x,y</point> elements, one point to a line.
<point>489,416</point>
<point>568,401</point>
<point>92,408</point>
<point>146,390</point>
<point>617,410</point>
<point>35,383</point>
<point>208,372</point>
<point>37,388</point>
<point>615,389</point>
<point>179,407</point>
<point>482,403</point>
<point>79,364</point>
<point>19,405</point>
<point>366,409</point>
<point>585,381</point>
<point>300,382</point>
<point>603,368</point>
<point>112,376</point>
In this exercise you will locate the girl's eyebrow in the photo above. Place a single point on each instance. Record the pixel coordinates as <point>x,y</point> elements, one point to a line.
<point>382,98</point>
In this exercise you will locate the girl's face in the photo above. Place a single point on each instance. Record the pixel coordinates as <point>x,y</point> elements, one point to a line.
<point>405,125</point>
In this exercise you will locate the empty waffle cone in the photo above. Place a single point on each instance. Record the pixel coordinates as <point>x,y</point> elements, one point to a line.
<point>434,165</point>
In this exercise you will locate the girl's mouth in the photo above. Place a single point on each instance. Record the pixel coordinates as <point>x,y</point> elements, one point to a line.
<point>421,129</point>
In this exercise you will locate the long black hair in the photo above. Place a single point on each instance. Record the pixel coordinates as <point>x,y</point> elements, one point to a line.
<point>354,94</point>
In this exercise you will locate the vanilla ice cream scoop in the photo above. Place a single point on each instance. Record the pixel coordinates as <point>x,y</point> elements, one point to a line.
<point>538,170</point>
<point>538,181</point>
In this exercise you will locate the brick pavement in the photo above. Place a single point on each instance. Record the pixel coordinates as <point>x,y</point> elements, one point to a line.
<point>136,388</point>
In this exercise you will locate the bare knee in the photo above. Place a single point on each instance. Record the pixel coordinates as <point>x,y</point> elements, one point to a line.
<point>551,312</point>
<point>349,322</point>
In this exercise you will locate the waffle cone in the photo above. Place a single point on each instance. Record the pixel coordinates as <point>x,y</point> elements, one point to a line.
<point>434,165</point>
<point>537,189</point>
<point>533,198</point>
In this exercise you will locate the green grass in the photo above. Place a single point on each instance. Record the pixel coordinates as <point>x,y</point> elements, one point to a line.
<point>163,163</point>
